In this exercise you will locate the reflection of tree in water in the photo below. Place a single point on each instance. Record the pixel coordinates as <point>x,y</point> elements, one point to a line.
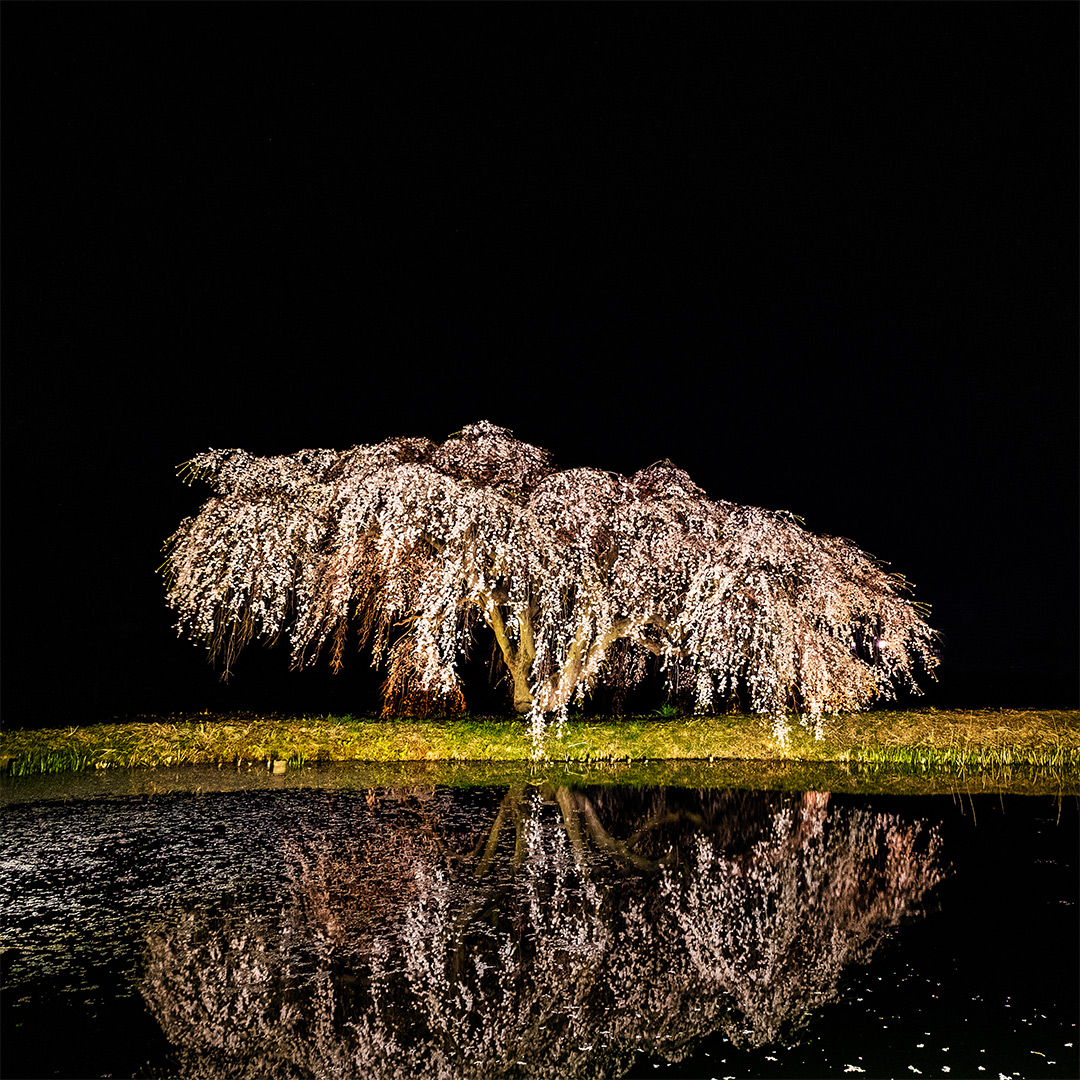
<point>578,928</point>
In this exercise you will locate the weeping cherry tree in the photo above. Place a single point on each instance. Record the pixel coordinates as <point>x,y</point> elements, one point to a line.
<point>580,574</point>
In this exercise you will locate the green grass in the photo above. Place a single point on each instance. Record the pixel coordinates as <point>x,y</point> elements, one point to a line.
<point>922,740</point>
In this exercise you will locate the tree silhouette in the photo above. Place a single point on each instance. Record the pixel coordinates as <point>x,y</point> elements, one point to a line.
<point>580,574</point>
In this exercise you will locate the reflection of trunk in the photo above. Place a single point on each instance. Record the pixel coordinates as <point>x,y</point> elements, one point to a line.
<point>564,797</point>
<point>511,802</point>
<point>623,849</point>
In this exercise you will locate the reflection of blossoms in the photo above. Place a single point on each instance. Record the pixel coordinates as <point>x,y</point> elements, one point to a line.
<point>579,574</point>
<point>586,936</point>
<point>774,928</point>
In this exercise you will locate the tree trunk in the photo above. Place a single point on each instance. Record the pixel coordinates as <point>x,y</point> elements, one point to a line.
<point>518,661</point>
<point>523,699</point>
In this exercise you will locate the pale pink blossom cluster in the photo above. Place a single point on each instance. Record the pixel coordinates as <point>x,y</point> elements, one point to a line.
<point>579,573</point>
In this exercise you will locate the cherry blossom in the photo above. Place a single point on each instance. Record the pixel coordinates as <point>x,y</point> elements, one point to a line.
<point>580,574</point>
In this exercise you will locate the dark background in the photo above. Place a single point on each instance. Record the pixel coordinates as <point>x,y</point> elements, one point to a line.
<point>822,257</point>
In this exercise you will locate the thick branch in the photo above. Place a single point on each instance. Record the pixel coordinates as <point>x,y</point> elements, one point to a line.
<point>622,626</point>
<point>528,645</point>
<point>495,620</point>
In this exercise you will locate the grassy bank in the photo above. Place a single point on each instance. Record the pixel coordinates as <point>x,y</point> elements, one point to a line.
<point>925,739</point>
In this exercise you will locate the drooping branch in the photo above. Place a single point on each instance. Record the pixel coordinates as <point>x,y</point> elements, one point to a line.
<point>569,568</point>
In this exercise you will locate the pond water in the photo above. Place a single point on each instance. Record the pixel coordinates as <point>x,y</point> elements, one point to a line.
<point>534,928</point>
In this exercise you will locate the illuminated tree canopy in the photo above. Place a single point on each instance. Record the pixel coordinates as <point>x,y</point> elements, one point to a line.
<point>580,574</point>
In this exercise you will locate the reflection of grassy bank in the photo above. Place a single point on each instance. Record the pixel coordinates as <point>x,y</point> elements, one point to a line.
<point>425,776</point>
<point>958,741</point>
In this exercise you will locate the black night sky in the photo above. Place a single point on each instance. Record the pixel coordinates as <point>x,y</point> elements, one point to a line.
<point>823,257</point>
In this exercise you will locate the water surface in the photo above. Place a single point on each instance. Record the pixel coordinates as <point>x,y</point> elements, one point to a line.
<point>532,928</point>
